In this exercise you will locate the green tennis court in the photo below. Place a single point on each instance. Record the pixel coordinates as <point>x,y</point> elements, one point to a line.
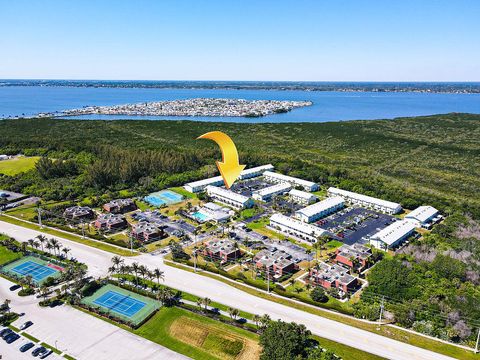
<point>37,268</point>
<point>122,303</point>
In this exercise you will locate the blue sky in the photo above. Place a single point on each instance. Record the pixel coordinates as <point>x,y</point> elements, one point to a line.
<point>427,40</point>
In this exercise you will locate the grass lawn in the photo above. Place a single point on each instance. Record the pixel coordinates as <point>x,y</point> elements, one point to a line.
<point>333,244</point>
<point>180,190</point>
<point>199,337</point>
<point>258,224</point>
<point>18,165</point>
<point>7,256</point>
<point>96,244</point>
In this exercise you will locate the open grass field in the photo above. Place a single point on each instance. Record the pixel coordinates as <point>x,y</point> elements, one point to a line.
<point>199,337</point>
<point>17,165</point>
<point>7,256</point>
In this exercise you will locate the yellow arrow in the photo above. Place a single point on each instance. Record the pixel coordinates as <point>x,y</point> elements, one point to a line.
<point>229,167</point>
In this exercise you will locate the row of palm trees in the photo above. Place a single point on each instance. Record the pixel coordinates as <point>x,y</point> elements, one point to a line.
<point>52,245</point>
<point>119,267</point>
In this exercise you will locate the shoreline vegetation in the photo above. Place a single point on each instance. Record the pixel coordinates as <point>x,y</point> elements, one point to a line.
<point>423,87</point>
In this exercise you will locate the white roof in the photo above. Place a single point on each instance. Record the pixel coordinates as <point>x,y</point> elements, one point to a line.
<point>395,231</point>
<point>422,213</point>
<point>298,225</point>
<point>365,198</point>
<point>289,179</point>
<point>273,189</point>
<point>227,194</point>
<point>323,205</point>
<point>258,169</point>
<point>302,194</point>
<point>217,179</point>
<point>206,182</point>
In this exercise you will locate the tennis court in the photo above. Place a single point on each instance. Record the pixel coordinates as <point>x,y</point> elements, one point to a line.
<point>164,197</point>
<point>37,268</point>
<point>122,303</point>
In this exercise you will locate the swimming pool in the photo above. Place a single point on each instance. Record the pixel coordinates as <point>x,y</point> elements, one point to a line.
<point>164,197</point>
<point>199,216</point>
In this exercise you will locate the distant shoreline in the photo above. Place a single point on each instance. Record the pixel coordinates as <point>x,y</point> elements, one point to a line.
<point>420,87</point>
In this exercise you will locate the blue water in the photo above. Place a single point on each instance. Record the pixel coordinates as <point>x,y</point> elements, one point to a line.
<point>199,216</point>
<point>327,105</point>
<point>164,197</point>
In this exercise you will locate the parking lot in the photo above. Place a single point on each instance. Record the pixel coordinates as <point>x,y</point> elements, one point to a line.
<point>353,224</point>
<point>171,227</point>
<point>248,186</point>
<point>11,351</point>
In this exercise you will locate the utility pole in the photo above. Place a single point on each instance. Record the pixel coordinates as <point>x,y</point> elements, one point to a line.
<point>478,341</point>
<point>83,230</point>
<point>381,309</point>
<point>131,242</point>
<point>40,218</point>
<point>195,260</point>
<point>268,280</point>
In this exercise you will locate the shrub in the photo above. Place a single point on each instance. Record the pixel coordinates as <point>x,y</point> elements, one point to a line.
<point>318,295</point>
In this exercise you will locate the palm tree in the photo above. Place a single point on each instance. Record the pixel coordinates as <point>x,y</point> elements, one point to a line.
<point>316,245</point>
<point>164,295</point>
<point>29,280</point>
<point>30,242</point>
<point>6,304</point>
<point>256,319</point>
<point>42,239</point>
<point>64,289</point>
<point>233,313</point>
<point>158,274</point>
<point>49,247</point>
<point>135,268</point>
<point>65,251</point>
<point>206,301</point>
<point>265,320</point>
<point>55,245</point>
<point>117,261</point>
<point>143,271</point>
<point>111,270</point>
<point>200,303</point>
<point>36,244</point>
<point>43,291</point>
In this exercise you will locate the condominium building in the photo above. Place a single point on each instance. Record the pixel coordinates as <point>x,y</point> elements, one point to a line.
<point>267,193</point>
<point>146,232</point>
<point>280,178</point>
<point>77,213</point>
<point>393,235</point>
<point>423,216</point>
<point>320,209</point>
<point>333,276</point>
<point>222,250</point>
<point>120,206</point>
<point>111,222</point>
<point>201,185</point>
<point>354,256</point>
<point>255,171</point>
<point>369,202</point>
<point>302,197</point>
<point>276,262</point>
<point>229,197</point>
<point>300,229</point>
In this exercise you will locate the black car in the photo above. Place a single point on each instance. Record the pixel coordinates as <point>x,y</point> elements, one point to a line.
<point>39,351</point>
<point>15,287</point>
<point>26,325</point>
<point>11,338</point>
<point>5,332</point>
<point>44,355</point>
<point>27,346</point>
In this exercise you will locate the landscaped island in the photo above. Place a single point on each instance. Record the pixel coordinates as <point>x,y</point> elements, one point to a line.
<point>195,107</point>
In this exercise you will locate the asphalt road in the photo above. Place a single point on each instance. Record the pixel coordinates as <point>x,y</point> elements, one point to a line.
<point>98,261</point>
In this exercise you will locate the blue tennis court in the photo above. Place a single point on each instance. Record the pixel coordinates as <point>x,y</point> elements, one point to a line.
<point>164,197</point>
<point>37,271</point>
<point>119,303</point>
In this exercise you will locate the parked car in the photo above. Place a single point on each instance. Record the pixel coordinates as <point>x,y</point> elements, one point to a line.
<point>11,338</point>
<point>44,355</point>
<point>5,332</point>
<point>15,287</point>
<point>26,347</point>
<point>39,351</point>
<point>26,325</point>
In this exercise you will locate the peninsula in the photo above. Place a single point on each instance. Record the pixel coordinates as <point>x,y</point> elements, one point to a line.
<point>195,107</point>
